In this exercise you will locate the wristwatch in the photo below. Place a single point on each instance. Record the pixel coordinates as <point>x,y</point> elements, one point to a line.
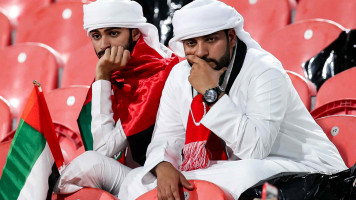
<point>211,95</point>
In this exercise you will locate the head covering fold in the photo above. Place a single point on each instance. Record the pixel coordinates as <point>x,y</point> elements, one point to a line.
<point>203,17</point>
<point>123,14</point>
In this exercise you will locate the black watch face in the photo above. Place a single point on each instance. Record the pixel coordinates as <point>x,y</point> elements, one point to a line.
<point>210,96</point>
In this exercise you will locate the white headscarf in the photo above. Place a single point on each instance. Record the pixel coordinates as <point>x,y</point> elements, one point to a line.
<point>124,14</point>
<point>203,17</point>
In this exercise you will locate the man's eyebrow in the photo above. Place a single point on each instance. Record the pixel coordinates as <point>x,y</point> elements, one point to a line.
<point>111,28</point>
<point>211,34</point>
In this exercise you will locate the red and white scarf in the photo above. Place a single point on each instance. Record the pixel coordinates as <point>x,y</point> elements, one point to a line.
<point>201,145</point>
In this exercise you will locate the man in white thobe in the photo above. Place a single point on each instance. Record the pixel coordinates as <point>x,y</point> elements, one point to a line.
<point>129,78</point>
<point>258,114</point>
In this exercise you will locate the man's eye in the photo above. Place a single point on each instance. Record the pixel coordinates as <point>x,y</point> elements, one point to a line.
<point>211,39</point>
<point>114,33</point>
<point>189,43</point>
<point>95,36</point>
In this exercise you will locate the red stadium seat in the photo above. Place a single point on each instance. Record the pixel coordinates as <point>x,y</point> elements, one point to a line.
<point>64,106</point>
<point>4,149</point>
<point>15,9</point>
<point>297,43</point>
<point>338,107</point>
<point>5,118</point>
<point>5,31</point>
<point>80,68</point>
<point>262,17</point>
<point>59,26</point>
<point>20,65</point>
<point>202,190</point>
<point>340,86</point>
<point>306,90</point>
<point>340,130</point>
<point>340,11</point>
<point>85,194</point>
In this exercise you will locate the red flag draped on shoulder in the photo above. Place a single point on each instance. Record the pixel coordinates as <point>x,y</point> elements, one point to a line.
<point>137,91</point>
<point>29,171</point>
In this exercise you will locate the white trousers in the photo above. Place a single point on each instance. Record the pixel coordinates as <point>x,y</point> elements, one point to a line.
<point>233,176</point>
<point>92,169</point>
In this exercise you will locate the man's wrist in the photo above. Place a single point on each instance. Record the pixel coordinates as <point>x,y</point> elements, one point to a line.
<point>100,76</point>
<point>221,94</point>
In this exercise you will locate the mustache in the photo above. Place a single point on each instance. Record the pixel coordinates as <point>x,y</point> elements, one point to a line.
<point>218,67</point>
<point>101,53</point>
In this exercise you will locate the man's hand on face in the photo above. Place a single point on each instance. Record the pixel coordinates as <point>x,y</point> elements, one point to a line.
<point>168,181</point>
<point>115,58</point>
<point>202,75</point>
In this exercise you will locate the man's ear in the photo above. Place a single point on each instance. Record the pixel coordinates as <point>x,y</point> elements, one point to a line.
<point>232,37</point>
<point>136,34</point>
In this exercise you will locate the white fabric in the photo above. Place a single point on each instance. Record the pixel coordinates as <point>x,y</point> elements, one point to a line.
<point>262,121</point>
<point>125,14</point>
<point>38,176</point>
<point>92,169</point>
<point>108,137</point>
<point>203,17</point>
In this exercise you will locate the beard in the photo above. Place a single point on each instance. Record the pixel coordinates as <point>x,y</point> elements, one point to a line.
<point>224,61</point>
<point>128,46</point>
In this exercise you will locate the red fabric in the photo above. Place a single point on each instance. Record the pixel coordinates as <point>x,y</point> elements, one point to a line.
<point>201,145</point>
<point>138,88</point>
<point>36,114</point>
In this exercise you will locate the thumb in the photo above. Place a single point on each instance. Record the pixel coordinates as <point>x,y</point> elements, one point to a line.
<point>185,183</point>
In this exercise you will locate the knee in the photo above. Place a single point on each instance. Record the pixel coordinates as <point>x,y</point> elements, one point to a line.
<point>87,160</point>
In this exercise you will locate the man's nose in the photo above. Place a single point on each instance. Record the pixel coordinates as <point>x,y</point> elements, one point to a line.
<point>104,43</point>
<point>201,50</point>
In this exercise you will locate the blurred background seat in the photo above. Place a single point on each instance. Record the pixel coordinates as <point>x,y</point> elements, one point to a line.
<point>20,65</point>
<point>340,11</point>
<point>85,193</point>
<point>306,89</point>
<point>5,30</point>
<point>80,68</point>
<point>15,9</point>
<point>202,190</point>
<point>64,105</point>
<point>4,149</point>
<point>262,17</point>
<point>5,118</point>
<point>59,26</point>
<point>295,44</point>
<point>340,86</point>
<point>340,130</point>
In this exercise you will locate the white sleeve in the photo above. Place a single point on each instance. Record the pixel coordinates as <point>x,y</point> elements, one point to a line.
<point>169,134</point>
<point>250,134</point>
<point>108,138</point>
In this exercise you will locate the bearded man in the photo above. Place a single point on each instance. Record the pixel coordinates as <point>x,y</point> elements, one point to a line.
<point>122,103</point>
<point>228,114</point>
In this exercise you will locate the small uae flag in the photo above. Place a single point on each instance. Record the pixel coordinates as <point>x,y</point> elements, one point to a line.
<point>35,158</point>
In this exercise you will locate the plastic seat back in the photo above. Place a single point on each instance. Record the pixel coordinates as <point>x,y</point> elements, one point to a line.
<point>340,129</point>
<point>262,17</point>
<point>202,190</point>
<point>295,44</point>
<point>20,65</point>
<point>5,118</point>
<point>338,107</point>
<point>64,105</point>
<point>85,193</point>
<point>4,149</point>
<point>340,11</point>
<point>305,88</point>
<point>340,86</point>
<point>16,9</point>
<point>59,26</point>
<point>80,68</point>
<point>5,31</point>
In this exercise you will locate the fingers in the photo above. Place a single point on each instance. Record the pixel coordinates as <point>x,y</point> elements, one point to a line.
<point>125,58</point>
<point>194,59</point>
<point>185,183</point>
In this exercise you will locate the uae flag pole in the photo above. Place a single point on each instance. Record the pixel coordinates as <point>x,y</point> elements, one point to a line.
<point>35,159</point>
